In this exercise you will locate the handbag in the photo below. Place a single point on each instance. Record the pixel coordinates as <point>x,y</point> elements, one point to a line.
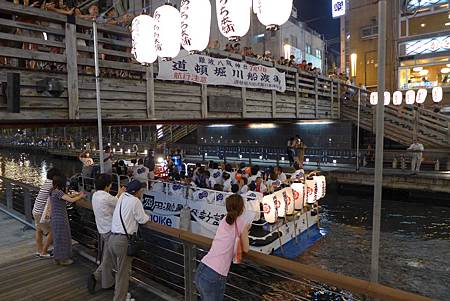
<point>237,257</point>
<point>135,240</point>
<point>45,217</point>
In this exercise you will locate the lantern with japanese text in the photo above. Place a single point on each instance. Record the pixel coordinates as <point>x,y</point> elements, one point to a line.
<point>410,97</point>
<point>387,98</point>
<point>195,24</point>
<point>167,32</point>
<point>270,212</point>
<point>233,18</point>
<point>142,39</point>
<point>397,98</point>
<point>437,94</point>
<point>273,14</point>
<point>374,98</point>
<point>421,96</point>
<point>288,197</point>
<point>311,191</point>
<point>321,186</point>
<point>299,195</point>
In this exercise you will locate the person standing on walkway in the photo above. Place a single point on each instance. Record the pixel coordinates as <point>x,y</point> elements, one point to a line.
<point>59,220</point>
<point>129,213</point>
<point>417,153</point>
<point>212,272</point>
<point>43,229</point>
<point>103,205</point>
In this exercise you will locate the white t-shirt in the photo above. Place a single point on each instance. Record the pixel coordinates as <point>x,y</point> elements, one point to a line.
<point>103,205</point>
<point>282,177</point>
<point>140,173</point>
<point>227,185</point>
<point>216,175</point>
<point>244,189</point>
<point>133,214</point>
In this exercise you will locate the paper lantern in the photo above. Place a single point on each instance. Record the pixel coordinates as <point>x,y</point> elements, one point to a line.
<point>387,98</point>
<point>142,39</point>
<point>437,94</point>
<point>288,197</point>
<point>310,191</point>
<point>233,18</point>
<point>270,212</point>
<point>298,190</point>
<point>410,97</point>
<point>374,98</point>
<point>280,203</point>
<point>167,32</point>
<point>397,98</point>
<point>321,186</point>
<point>272,13</point>
<point>195,24</point>
<point>421,95</point>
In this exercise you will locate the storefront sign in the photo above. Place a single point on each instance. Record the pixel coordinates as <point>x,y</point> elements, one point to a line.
<point>338,8</point>
<point>213,71</point>
<point>424,46</point>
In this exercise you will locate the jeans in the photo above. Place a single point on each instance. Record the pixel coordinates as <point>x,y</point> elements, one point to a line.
<point>210,284</point>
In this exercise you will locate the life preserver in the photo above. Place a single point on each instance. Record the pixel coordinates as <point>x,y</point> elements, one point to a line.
<point>298,190</point>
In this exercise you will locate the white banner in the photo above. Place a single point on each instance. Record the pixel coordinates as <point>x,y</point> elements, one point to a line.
<point>203,69</point>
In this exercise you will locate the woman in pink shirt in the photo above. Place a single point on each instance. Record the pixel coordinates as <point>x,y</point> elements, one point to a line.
<point>211,275</point>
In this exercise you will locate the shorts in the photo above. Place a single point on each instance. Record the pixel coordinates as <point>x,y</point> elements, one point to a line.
<point>44,228</point>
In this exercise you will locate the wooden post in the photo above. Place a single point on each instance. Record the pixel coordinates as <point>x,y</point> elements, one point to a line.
<point>316,97</point>
<point>448,132</point>
<point>339,99</point>
<point>204,94</point>
<point>9,195</point>
<point>150,89</point>
<point>27,204</point>
<point>332,98</point>
<point>297,96</point>
<point>72,68</point>
<point>244,102</point>
<point>274,104</point>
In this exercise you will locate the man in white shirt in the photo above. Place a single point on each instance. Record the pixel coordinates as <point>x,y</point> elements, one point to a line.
<point>140,172</point>
<point>129,207</point>
<point>281,175</point>
<point>417,152</point>
<point>103,205</point>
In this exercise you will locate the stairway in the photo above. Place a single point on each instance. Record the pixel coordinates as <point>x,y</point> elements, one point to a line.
<point>170,134</point>
<point>402,122</point>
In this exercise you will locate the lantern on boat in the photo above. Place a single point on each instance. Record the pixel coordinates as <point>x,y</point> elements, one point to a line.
<point>373,98</point>
<point>280,203</point>
<point>320,186</point>
<point>298,190</point>
<point>233,18</point>
<point>387,98</point>
<point>310,189</point>
<point>270,212</point>
<point>195,24</point>
<point>437,94</point>
<point>167,32</point>
<point>273,14</point>
<point>421,96</point>
<point>410,97</point>
<point>397,98</point>
<point>288,197</point>
<point>142,39</point>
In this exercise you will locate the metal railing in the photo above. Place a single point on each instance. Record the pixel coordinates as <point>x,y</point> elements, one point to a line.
<point>171,256</point>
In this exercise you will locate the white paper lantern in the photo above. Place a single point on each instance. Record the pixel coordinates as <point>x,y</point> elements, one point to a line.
<point>298,190</point>
<point>167,32</point>
<point>397,98</point>
<point>233,18</point>
<point>311,191</point>
<point>437,94</point>
<point>387,98</point>
<point>270,212</point>
<point>288,197</point>
<point>195,24</point>
<point>374,98</point>
<point>142,39</point>
<point>421,95</point>
<point>273,13</point>
<point>410,97</point>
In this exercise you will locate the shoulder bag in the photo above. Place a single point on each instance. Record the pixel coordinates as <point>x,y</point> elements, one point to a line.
<point>135,240</point>
<point>237,257</point>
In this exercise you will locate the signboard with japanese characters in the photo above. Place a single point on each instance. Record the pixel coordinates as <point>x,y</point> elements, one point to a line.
<point>207,70</point>
<point>338,8</point>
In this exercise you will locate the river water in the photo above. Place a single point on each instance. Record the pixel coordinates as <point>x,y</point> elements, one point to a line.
<point>415,237</point>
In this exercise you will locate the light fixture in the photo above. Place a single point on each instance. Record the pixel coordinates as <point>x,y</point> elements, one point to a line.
<point>233,18</point>
<point>145,152</point>
<point>219,126</point>
<point>417,69</point>
<point>353,58</point>
<point>397,98</point>
<point>447,24</point>
<point>421,96</point>
<point>307,159</point>
<point>160,160</point>
<point>448,65</point>
<point>334,161</point>
<point>273,14</point>
<point>262,125</point>
<point>423,25</point>
<point>282,158</point>
<point>195,24</point>
<point>167,32</point>
<point>424,72</point>
<point>445,70</point>
<point>437,94</point>
<point>410,97</point>
<point>240,156</point>
<point>287,50</point>
<point>260,157</point>
<point>143,39</point>
<point>206,154</point>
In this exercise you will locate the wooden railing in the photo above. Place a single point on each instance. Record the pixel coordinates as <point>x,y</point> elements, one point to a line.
<point>43,45</point>
<point>193,243</point>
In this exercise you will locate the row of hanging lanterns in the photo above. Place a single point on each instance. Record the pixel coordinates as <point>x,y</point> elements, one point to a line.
<point>160,36</point>
<point>411,97</point>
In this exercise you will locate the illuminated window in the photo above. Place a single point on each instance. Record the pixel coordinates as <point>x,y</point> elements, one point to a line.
<point>308,49</point>
<point>319,53</point>
<point>426,73</point>
<point>428,24</point>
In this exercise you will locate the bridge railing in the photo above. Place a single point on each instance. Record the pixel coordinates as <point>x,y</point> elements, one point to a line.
<point>42,45</point>
<point>171,256</point>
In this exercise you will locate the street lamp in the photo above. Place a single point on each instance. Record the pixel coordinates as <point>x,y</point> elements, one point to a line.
<point>353,59</point>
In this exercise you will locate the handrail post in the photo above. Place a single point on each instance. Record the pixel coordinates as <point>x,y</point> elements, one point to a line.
<point>189,271</point>
<point>244,102</point>
<point>332,98</point>
<point>316,97</point>
<point>204,106</point>
<point>150,87</point>
<point>297,96</point>
<point>27,204</point>
<point>72,68</point>
<point>9,195</point>
<point>339,99</point>
<point>274,104</point>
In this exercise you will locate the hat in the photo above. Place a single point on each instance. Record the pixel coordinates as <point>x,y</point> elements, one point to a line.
<point>134,186</point>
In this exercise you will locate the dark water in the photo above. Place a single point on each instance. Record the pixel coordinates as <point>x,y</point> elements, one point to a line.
<point>415,238</point>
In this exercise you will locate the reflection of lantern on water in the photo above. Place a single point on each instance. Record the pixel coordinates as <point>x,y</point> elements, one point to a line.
<point>298,190</point>
<point>288,197</point>
<point>270,212</point>
<point>310,191</point>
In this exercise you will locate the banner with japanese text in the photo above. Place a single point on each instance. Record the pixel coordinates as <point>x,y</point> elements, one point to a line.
<point>207,70</point>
